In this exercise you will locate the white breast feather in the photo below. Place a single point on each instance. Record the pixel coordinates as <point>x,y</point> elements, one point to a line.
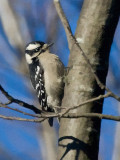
<point>53,81</point>
<point>28,58</point>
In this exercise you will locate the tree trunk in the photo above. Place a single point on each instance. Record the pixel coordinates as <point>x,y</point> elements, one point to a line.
<point>79,138</point>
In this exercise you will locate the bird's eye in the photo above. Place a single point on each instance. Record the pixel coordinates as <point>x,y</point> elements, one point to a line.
<point>37,49</point>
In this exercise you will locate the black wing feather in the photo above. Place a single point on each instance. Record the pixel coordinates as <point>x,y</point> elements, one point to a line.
<point>37,79</point>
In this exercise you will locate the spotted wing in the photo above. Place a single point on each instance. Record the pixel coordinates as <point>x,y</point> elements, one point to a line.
<point>42,96</point>
<point>39,86</point>
<point>37,79</point>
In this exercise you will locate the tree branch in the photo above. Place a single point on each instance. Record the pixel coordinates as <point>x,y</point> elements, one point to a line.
<point>70,115</point>
<point>21,103</point>
<point>63,114</point>
<point>64,22</point>
<point>17,110</point>
<point>86,102</point>
<point>93,115</point>
<point>22,119</point>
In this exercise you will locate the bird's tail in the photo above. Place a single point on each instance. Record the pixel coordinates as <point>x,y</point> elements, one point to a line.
<point>50,121</point>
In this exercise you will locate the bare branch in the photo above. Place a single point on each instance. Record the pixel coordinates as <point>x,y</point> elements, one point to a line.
<point>22,119</point>
<point>21,103</point>
<point>113,95</point>
<point>64,22</point>
<point>93,115</point>
<point>63,114</point>
<point>47,115</point>
<point>70,115</point>
<point>17,110</point>
<point>87,101</point>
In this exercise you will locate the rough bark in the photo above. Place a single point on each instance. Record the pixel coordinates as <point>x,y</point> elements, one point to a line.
<point>79,138</point>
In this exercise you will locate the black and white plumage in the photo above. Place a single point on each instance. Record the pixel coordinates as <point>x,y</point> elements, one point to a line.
<point>46,74</point>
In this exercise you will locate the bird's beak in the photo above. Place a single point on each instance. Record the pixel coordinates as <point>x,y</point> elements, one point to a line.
<point>43,50</point>
<point>49,45</point>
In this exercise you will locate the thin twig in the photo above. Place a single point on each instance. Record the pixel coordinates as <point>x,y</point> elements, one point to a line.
<point>63,114</point>
<point>21,103</point>
<point>65,109</point>
<point>93,115</point>
<point>17,110</point>
<point>64,22</point>
<point>22,119</point>
<point>70,115</point>
<point>85,102</point>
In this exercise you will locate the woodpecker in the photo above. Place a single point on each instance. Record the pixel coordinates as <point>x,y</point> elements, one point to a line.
<point>46,74</point>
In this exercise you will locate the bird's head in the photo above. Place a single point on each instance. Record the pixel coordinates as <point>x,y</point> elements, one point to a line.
<point>34,49</point>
